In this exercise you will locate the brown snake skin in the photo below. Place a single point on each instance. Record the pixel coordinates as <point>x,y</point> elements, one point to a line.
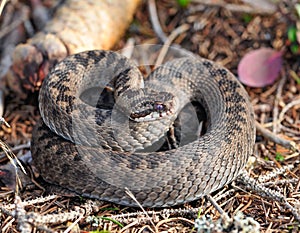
<point>86,150</point>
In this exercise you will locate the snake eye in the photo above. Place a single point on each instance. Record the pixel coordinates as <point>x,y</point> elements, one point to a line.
<point>159,107</point>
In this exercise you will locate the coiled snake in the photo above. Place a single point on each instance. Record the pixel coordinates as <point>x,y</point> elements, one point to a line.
<point>87,150</point>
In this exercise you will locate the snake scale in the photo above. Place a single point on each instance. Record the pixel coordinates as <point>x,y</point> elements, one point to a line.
<point>97,153</point>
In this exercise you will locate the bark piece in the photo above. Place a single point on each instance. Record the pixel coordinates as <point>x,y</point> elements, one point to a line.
<point>76,26</point>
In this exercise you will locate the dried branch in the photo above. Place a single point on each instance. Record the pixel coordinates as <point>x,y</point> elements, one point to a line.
<point>275,138</point>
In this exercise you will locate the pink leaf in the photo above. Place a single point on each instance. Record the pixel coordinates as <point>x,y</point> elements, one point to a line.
<point>260,67</point>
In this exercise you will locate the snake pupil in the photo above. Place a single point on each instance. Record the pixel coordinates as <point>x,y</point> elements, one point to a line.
<point>159,107</point>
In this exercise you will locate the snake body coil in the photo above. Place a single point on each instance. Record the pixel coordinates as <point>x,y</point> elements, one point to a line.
<point>87,150</point>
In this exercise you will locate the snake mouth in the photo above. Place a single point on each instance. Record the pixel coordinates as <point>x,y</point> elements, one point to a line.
<point>144,116</point>
<point>155,111</point>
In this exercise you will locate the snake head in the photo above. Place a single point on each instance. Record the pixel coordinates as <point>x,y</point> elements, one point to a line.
<point>148,105</point>
<point>151,110</point>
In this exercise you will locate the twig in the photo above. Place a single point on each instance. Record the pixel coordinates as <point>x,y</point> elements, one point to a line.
<point>161,35</point>
<point>218,208</point>
<point>17,148</point>
<point>275,173</point>
<point>155,21</point>
<point>2,5</point>
<point>176,32</point>
<point>276,102</point>
<point>292,132</point>
<point>286,108</point>
<point>128,226</point>
<point>224,194</point>
<point>263,191</point>
<point>11,156</point>
<point>165,213</point>
<point>15,163</point>
<point>28,219</point>
<point>145,228</point>
<point>237,7</point>
<point>30,202</point>
<point>1,103</point>
<point>2,120</point>
<point>4,228</point>
<point>13,25</point>
<point>23,219</point>
<point>280,182</point>
<point>70,228</point>
<point>128,48</point>
<point>173,219</point>
<point>278,140</point>
<point>130,194</point>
